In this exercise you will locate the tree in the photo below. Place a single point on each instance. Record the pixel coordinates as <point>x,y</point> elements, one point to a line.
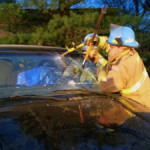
<point>11,14</point>
<point>62,31</point>
<point>7,1</point>
<point>62,6</point>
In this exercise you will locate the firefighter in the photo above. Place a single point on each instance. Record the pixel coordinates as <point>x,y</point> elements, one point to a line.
<point>124,71</point>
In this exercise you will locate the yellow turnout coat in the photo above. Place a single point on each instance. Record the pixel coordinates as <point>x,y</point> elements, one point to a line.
<point>126,73</point>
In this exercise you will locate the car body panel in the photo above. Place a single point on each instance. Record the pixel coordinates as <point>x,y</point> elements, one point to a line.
<point>56,115</point>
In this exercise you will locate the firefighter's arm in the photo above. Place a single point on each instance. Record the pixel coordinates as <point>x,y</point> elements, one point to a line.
<point>101,62</point>
<point>97,58</point>
<point>103,43</point>
<point>113,80</point>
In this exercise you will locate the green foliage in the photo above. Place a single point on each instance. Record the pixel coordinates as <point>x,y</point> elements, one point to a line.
<point>49,27</point>
<point>62,31</point>
<point>43,5</point>
<point>143,37</point>
<point>11,15</point>
<point>40,37</point>
<point>23,38</point>
<point>146,59</point>
<point>125,20</point>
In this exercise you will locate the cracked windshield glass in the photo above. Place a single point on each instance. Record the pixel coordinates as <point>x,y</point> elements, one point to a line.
<point>25,73</point>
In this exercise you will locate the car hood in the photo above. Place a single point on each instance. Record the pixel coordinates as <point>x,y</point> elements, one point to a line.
<point>73,119</point>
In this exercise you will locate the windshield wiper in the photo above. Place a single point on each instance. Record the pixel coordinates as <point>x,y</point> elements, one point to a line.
<point>30,97</point>
<point>85,91</point>
<point>58,95</point>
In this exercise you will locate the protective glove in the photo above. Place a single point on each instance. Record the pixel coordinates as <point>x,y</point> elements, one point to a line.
<point>94,55</point>
<point>97,58</point>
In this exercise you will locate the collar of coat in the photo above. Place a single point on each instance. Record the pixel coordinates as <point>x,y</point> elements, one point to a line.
<point>128,51</point>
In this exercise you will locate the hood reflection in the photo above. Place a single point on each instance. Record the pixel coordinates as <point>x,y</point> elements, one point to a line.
<point>90,122</point>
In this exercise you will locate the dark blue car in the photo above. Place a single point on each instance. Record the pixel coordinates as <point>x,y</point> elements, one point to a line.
<point>48,102</point>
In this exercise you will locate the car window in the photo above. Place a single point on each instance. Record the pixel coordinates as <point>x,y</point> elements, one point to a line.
<point>34,70</point>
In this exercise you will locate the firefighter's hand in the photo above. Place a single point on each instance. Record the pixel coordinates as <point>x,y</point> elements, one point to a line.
<point>94,55</point>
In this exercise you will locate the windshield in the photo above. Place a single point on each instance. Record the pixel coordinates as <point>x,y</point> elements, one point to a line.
<point>33,72</point>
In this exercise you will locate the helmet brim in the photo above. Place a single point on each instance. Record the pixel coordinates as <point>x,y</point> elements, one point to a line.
<point>133,45</point>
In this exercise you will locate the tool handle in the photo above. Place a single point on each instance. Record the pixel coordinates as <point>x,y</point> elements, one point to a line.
<point>87,54</point>
<point>95,32</point>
